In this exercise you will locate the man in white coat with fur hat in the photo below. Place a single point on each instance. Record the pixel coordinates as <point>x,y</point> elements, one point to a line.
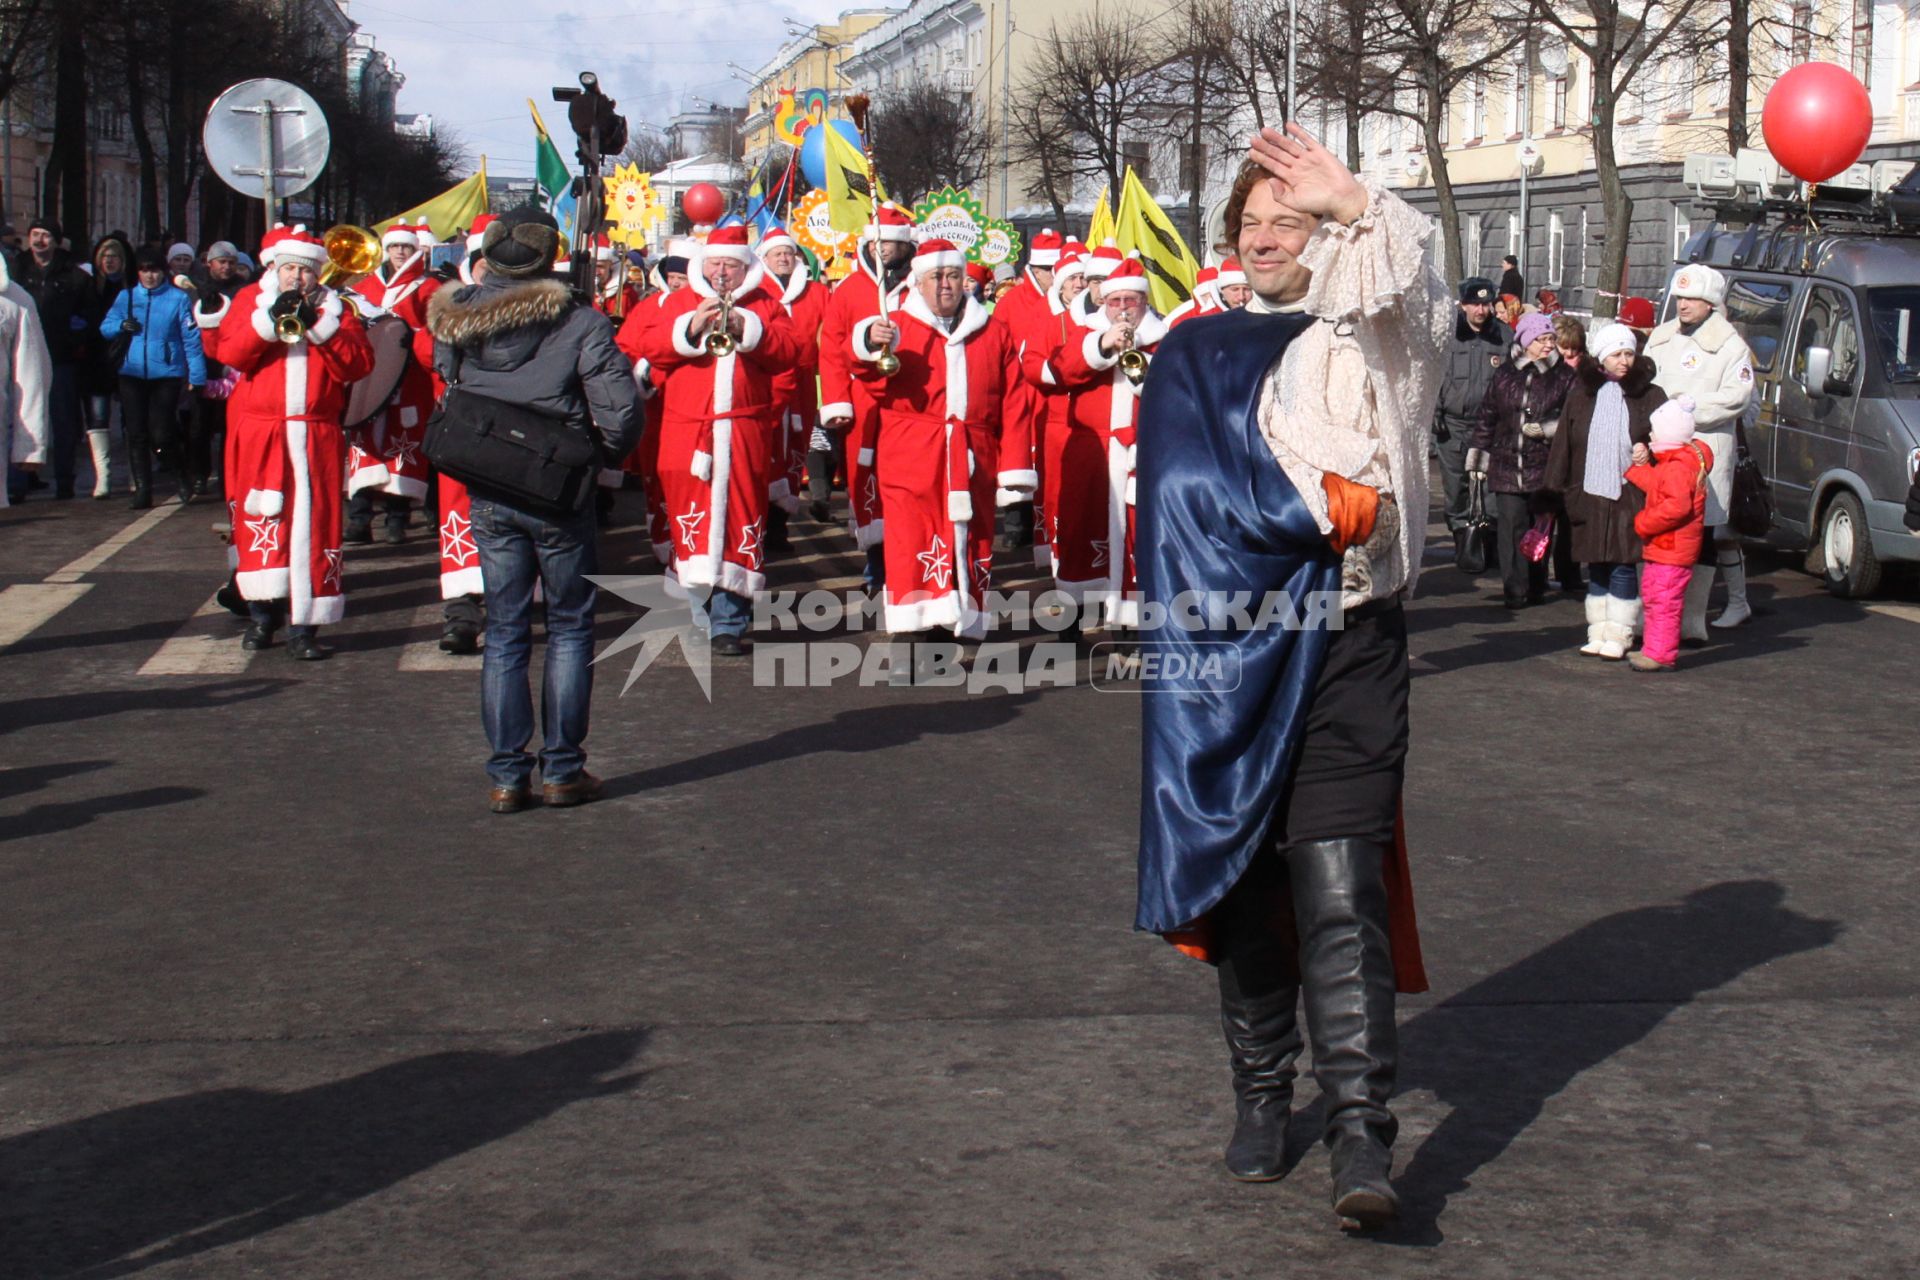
<point>26,375</point>
<point>1699,353</point>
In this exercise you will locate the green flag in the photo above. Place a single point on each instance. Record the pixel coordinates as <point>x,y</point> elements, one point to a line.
<point>549,170</point>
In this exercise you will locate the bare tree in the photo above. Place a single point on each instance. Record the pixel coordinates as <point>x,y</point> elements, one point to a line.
<point>646,150</point>
<point>1436,47</point>
<point>924,138</point>
<point>1199,53</point>
<point>1087,95</point>
<point>1619,38</point>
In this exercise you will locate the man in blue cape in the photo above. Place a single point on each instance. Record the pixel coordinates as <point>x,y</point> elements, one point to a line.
<point>1279,446</point>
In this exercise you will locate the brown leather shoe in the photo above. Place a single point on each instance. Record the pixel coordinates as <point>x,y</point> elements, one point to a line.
<point>564,795</point>
<point>510,799</point>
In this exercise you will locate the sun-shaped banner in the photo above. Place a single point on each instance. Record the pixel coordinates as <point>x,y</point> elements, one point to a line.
<point>633,207</point>
<point>812,226</point>
<point>953,215</point>
<point>998,243</point>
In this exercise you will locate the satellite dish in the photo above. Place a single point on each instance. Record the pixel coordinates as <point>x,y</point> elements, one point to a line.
<point>267,139</point>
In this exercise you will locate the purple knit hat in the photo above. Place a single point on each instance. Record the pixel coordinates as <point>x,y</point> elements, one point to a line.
<point>1531,326</point>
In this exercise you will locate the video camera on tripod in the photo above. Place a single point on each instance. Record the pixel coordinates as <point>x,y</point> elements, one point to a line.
<point>601,131</point>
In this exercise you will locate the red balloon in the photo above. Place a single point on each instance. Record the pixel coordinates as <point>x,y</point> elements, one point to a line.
<point>1817,120</point>
<point>703,202</point>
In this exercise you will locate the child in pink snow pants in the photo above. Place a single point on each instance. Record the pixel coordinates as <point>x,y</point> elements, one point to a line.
<point>1670,527</point>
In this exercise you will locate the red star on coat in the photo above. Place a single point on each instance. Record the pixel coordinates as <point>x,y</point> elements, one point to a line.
<point>456,539</point>
<point>1100,554</point>
<point>331,578</point>
<point>266,536</point>
<point>405,453</point>
<point>935,565</point>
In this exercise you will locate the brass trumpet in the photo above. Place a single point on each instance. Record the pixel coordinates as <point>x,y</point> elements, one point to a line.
<point>719,339</point>
<point>1133,363</point>
<point>289,327</point>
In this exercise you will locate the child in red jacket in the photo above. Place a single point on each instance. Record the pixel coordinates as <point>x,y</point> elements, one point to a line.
<point>1670,527</point>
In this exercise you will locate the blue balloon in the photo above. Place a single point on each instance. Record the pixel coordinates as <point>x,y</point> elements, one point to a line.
<point>813,150</point>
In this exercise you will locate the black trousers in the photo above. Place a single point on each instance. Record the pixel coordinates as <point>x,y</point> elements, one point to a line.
<point>1519,576</point>
<point>1353,762</point>
<point>149,409</point>
<point>207,424</point>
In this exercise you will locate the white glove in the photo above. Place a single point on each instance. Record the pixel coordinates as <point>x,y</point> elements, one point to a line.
<point>1477,461</point>
<point>1532,430</point>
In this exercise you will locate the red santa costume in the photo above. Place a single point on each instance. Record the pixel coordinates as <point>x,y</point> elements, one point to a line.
<point>284,442</point>
<point>718,421</point>
<point>616,298</point>
<point>1045,338</point>
<point>797,389</point>
<point>644,461</point>
<point>1093,530</point>
<point>854,299</point>
<point>1204,302</point>
<point>459,556</point>
<point>385,454</point>
<point>1025,313</point>
<point>942,435</point>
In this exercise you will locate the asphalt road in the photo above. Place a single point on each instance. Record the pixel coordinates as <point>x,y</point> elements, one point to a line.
<point>839,982</point>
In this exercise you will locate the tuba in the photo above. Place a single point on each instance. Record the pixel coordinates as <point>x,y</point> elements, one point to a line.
<point>719,340</point>
<point>351,253</point>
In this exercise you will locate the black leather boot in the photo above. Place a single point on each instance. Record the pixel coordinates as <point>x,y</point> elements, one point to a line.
<point>1346,967</point>
<point>820,484</point>
<point>1263,1042</point>
<point>358,531</point>
<point>140,470</point>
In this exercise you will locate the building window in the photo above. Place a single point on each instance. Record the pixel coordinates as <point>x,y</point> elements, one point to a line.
<point>1470,245</point>
<point>1556,251</point>
<point>1800,38</point>
<point>1135,156</point>
<point>1682,232</point>
<point>1193,166</point>
<point>1477,111</point>
<point>1517,123</point>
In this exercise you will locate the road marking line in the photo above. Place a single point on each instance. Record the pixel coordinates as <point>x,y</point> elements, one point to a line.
<point>23,608</point>
<point>205,644</point>
<point>113,546</point>
<point>426,655</point>
<point>1904,612</point>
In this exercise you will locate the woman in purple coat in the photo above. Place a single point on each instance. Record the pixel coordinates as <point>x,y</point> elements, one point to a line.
<point>1509,448</point>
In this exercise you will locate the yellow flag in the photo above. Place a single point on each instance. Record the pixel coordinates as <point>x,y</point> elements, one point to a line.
<point>1142,227</point>
<point>452,210</point>
<point>849,203</point>
<point>1101,229</point>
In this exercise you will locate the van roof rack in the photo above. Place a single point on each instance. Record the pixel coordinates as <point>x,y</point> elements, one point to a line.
<point>1850,210</point>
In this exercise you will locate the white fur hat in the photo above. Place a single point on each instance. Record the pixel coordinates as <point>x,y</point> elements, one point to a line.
<point>1702,282</point>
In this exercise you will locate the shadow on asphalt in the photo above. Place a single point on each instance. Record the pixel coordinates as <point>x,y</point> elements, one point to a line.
<point>881,728</point>
<point>64,708</point>
<point>119,1192</point>
<point>1499,1051</point>
<point>65,815</point>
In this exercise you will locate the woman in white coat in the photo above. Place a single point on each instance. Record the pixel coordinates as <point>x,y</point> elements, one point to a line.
<point>25,374</point>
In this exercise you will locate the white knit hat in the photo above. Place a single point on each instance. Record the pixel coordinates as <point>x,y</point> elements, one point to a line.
<point>1672,423</point>
<point>1609,338</point>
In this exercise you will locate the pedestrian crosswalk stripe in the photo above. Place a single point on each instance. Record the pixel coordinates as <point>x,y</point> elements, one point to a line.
<point>75,570</point>
<point>208,643</point>
<point>1904,612</point>
<point>25,606</point>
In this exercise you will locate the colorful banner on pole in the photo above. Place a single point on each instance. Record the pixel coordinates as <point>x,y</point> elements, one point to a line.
<point>952,214</point>
<point>452,210</point>
<point>633,207</point>
<point>813,227</point>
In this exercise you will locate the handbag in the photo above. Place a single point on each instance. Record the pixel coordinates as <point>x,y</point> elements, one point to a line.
<point>1751,511</point>
<point>1536,541</point>
<point>527,459</point>
<point>1476,549</point>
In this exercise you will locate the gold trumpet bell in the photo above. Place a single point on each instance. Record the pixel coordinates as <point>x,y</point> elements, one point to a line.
<point>720,343</point>
<point>1133,363</point>
<point>352,252</point>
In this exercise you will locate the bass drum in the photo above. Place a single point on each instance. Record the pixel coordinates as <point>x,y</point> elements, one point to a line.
<point>392,350</point>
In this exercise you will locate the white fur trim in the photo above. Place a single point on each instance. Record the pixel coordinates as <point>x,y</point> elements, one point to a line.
<point>870,535</point>
<point>262,584</point>
<point>959,506</point>
<point>265,502</point>
<point>462,582</point>
<point>212,319</point>
<point>702,466</point>
<point>328,322</point>
<point>863,349</point>
<point>838,409</point>
<point>941,612</point>
<point>865,456</point>
<point>682,341</point>
<point>1081,592</point>
<point>301,603</point>
<point>1095,357</point>
<point>262,316</point>
<point>751,330</point>
<point>321,611</point>
<point>375,476</point>
<point>779,489</point>
<point>1028,480</point>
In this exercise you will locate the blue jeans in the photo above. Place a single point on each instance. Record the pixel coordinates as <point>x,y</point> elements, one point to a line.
<point>1621,581</point>
<point>517,548</point>
<point>873,575</point>
<point>723,613</point>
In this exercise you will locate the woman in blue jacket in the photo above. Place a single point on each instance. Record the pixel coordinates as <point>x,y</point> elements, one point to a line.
<point>163,358</point>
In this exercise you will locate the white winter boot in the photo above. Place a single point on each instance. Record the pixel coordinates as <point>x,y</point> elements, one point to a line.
<point>1596,623</point>
<point>1693,615</point>
<point>1733,567</point>
<point>101,443</point>
<point>1617,637</point>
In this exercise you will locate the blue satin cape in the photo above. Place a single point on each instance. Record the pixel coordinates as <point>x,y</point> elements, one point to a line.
<point>1217,514</point>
